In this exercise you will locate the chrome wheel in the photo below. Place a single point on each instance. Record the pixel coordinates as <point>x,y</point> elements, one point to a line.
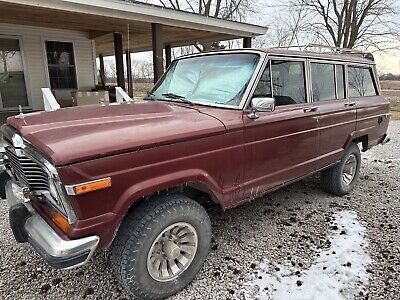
<point>172,251</point>
<point>349,169</point>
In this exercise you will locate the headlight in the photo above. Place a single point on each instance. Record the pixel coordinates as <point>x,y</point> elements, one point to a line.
<point>57,192</point>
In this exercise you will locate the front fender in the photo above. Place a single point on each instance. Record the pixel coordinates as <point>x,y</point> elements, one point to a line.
<point>148,187</point>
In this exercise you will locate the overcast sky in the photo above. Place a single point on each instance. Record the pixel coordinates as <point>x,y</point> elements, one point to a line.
<point>386,62</point>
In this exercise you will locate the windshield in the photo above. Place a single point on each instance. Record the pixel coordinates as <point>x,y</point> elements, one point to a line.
<point>208,79</point>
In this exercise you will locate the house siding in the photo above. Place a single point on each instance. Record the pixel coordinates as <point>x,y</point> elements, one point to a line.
<point>36,76</point>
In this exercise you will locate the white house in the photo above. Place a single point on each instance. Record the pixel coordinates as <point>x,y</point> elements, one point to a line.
<point>55,43</point>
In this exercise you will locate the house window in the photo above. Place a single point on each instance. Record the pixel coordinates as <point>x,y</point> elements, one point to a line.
<point>61,64</point>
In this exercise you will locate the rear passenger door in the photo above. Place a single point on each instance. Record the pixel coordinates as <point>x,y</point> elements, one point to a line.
<point>281,145</point>
<point>337,113</point>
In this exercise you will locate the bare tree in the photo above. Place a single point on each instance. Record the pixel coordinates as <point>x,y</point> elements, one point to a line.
<point>236,10</point>
<point>286,27</point>
<point>225,9</point>
<point>4,55</point>
<point>352,23</point>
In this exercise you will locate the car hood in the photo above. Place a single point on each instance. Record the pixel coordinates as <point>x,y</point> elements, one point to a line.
<point>76,134</point>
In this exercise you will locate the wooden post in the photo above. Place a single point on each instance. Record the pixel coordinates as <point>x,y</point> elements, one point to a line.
<point>168,55</point>
<point>247,42</point>
<point>129,72</point>
<point>102,72</point>
<point>157,43</point>
<point>119,59</point>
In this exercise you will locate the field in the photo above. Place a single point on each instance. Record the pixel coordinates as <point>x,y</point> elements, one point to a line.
<point>391,89</point>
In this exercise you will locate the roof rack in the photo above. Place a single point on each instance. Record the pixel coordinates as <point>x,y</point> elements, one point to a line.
<point>333,50</point>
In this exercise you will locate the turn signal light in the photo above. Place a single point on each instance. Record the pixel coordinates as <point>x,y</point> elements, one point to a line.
<point>89,186</point>
<point>61,221</point>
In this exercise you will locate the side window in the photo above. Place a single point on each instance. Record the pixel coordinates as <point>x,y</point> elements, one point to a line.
<point>340,81</point>
<point>288,82</point>
<point>263,88</point>
<point>323,81</point>
<point>361,83</point>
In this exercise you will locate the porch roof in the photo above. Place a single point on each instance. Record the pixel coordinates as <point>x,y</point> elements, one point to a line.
<point>101,18</point>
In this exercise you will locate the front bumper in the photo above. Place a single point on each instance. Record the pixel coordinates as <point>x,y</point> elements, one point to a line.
<point>28,225</point>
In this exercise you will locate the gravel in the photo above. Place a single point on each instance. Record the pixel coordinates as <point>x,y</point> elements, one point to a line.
<point>285,227</point>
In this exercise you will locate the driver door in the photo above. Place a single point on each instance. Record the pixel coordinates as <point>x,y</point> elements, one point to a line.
<point>281,145</point>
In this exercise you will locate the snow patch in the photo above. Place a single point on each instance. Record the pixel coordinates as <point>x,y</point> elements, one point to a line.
<point>335,274</point>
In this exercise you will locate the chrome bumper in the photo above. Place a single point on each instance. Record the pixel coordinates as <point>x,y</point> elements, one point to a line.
<point>58,252</point>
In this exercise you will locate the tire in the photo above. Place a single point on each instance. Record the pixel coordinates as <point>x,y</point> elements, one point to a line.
<point>140,230</point>
<point>4,178</point>
<point>337,180</point>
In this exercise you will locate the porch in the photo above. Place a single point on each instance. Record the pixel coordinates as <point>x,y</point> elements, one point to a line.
<point>55,44</point>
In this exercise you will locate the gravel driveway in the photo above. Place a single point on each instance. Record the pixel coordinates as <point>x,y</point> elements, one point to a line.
<point>287,227</point>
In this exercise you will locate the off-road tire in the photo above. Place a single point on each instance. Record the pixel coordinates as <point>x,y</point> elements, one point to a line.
<point>4,178</point>
<point>331,179</point>
<point>135,237</point>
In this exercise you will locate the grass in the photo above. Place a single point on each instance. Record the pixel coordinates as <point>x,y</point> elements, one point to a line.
<point>391,90</point>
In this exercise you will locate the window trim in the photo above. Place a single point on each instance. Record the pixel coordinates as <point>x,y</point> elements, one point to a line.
<point>373,77</point>
<point>44,52</point>
<point>344,82</point>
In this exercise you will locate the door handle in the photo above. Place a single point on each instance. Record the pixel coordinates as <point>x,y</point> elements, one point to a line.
<point>310,109</point>
<point>349,104</point>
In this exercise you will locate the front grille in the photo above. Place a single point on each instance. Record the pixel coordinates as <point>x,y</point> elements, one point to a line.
<point>27,170</point>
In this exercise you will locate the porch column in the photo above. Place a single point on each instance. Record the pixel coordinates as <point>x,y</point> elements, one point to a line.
<point>168,55</point>
<point>157,43</point>
<point>247,42</point>
<point>119,59</point>
<point>102,72</point>
<point>129,72</point>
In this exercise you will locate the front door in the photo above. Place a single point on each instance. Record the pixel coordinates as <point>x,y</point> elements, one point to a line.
<point>280,146</point>
<point>12,78</point>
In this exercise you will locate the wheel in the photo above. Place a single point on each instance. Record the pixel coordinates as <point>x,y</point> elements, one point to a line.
<point>340,179</point>
<point>161,246</point>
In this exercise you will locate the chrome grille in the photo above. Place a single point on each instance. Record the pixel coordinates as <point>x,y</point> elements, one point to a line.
<point>27,170</point>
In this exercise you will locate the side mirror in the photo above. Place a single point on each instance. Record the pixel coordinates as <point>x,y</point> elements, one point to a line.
<point>261,104</point>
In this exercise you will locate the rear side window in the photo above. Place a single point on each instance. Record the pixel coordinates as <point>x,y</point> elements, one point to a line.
<point>323,81</point>
<point>361,82</point>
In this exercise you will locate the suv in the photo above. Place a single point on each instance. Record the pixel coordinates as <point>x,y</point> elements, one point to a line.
<point>232,124</point>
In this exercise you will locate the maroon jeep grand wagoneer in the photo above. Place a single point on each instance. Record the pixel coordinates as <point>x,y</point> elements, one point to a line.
<point>232,124</point>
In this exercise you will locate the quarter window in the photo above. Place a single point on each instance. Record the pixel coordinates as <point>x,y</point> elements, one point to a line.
<point>288,82</point>
<point>61,64</point>
<point>323,81</point>
<point>361,82</point>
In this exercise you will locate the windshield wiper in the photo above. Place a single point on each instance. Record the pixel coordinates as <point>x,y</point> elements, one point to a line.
<point>150,96</point>
<point>177,97</point>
